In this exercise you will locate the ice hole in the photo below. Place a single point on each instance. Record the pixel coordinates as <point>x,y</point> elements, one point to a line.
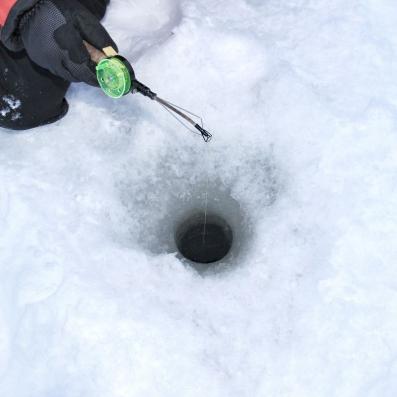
<point>204,238</point>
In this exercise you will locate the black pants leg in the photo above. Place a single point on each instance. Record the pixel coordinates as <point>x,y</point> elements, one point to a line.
<point>31,96</point>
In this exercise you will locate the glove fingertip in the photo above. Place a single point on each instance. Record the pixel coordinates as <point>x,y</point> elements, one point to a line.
<point>94,32</point>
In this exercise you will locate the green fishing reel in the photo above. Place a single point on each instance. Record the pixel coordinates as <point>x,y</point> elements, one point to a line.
<point>115,76</point>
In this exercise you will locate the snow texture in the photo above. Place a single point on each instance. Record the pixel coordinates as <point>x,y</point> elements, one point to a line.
<point>301,97</point>
<point>10,105</point>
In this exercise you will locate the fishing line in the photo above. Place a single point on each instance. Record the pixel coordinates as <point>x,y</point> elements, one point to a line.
<point>116,77</point>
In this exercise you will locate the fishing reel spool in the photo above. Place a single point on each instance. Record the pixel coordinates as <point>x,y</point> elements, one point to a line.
<point>115,76</point>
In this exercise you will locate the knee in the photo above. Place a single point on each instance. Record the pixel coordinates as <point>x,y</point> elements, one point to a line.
<point>20,114</point>
<point>30,96</point>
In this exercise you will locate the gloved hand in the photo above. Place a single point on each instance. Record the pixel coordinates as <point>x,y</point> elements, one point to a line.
<point>52,33</point>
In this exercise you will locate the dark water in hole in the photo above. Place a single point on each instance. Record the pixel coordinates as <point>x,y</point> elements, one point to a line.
<point>210,247</point>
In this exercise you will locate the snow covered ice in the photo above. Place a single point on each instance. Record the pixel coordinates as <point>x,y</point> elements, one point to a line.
<point>301,97</point>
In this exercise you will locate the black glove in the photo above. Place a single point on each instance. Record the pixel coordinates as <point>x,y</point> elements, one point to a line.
<point>52,33</point>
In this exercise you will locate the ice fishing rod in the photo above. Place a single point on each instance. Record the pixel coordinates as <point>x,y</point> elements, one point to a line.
<point>116,77</point>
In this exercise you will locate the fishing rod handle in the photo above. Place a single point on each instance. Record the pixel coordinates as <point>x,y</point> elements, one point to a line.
<point>98,55</point>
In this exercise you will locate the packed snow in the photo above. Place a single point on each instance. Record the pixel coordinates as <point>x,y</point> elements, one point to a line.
<point>301,97</point>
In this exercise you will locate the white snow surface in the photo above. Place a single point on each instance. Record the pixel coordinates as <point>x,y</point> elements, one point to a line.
<point>309,86</point>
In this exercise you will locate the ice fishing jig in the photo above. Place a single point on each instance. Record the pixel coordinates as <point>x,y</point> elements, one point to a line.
<point>116,78</point>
